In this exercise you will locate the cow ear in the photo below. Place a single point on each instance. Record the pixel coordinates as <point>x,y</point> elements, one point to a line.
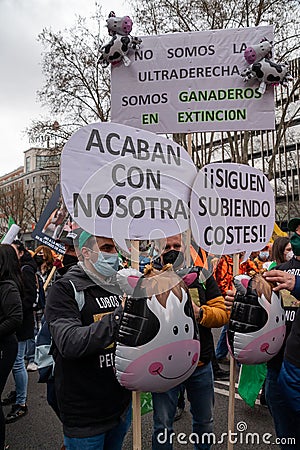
<point>127,279</point>
<point>133,280</point>
<point>189,278</point>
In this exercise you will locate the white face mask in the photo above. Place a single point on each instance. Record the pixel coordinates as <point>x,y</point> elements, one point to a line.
<point>289,255</point>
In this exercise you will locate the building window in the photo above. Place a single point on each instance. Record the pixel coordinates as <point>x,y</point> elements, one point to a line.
<point>44,161</point>
<point>33,179</point>
<point>27,164</point>
<point>27,180</point>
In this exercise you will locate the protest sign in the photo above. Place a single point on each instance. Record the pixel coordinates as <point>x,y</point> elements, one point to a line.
<point>11,235</point>
<point>51,223</point>
<point>191,82</point>
<point>121,182</point>
<point>232,209</point>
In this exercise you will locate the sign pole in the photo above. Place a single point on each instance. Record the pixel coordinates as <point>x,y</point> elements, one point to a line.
<point>136,396</point>
<point>188,233</point>
<point>232,374</point>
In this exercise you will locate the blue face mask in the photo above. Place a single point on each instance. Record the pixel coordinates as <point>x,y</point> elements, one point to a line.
<point>107,264</point>
<point>264,255</point>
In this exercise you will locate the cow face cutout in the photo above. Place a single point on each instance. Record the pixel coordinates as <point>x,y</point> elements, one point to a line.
<point>257,323</point>
<point>166,348</point>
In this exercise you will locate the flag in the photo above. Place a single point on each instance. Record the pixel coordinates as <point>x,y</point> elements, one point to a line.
<point>146,403</point>
<point>9,224</point>
<point>252,378</point>
<point>277,231</point>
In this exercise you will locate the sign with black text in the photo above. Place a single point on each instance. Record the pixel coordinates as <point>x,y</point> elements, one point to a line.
<point>232,209</point>
<point>122,182</point>
<point>191,82</point>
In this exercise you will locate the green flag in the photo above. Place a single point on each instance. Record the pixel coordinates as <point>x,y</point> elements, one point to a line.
<point>146,403</point>
<point>10,222</point>
<point>252,378</point>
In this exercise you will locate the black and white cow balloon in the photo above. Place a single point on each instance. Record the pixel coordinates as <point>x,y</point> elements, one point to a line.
<point>158,344</point>
<point>263,68</point>
<point>116,50</point>
<point>256,328</point>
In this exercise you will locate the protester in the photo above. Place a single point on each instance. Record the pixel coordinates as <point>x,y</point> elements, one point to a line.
<point>285,422</point>
<point>262,258</point>
<point>45,361</point>
<point>281,250</point>
<point>25,332</point>
<point>289,377</point>
<point>28,269</point>
<point>10,319</point>
<point>224,279</point>
<point>70,256</point>
<point>199,386</point>
<point>44,259</point>
<point>83,311</point>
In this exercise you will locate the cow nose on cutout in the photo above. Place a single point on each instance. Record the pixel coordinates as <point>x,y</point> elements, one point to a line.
<point>264,347</point>
<point>195,359</point>
<point>156,368</point>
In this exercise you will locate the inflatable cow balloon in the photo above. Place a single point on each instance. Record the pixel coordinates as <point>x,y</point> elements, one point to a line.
<point>262,68</point>
<point>116,50</point>
<point>258,52</point>
<point>257,322</point>
<point>158,345</point>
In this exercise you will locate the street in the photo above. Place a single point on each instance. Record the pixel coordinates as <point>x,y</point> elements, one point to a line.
<point>41,430</point>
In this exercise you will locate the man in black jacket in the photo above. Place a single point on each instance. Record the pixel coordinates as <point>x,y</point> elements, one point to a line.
<point>83,312</point>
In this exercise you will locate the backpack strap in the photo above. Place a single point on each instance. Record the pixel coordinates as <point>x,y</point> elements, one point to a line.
<point>79,296</point>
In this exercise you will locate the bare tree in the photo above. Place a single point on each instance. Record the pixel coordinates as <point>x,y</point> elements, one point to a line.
<point>165,16</point>
<point>77,87</point>
<point>12,204</point>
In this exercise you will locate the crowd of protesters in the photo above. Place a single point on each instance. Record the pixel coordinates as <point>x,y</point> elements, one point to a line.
<point>95,410</point>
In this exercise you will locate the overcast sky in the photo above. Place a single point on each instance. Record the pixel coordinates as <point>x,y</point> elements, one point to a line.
<point>20,61</point>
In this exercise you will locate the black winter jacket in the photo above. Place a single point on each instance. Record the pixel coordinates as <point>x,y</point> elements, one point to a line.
<point>90,399</point>
<point>10,309</point>
<point>28,269</point>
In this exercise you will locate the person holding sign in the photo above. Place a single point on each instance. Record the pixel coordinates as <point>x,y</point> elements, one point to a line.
<point>83,312</point>
<point>210,311</point>
<point>285,421</point>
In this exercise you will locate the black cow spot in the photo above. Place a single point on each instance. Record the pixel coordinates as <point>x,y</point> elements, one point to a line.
<point>125,43</point>
<point>273,79</point>
<point>115,56</point>
<point>107,48</point>
<point>256,67</point>
<point>277,67</point>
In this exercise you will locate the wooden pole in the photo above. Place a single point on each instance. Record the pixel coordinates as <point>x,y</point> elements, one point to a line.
<point>136,396</point>
<point>232,375</point>
<point>51,274</point>
<point>187,255</point>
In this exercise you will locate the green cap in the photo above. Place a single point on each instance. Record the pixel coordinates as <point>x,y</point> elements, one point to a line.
<point>83,238</point>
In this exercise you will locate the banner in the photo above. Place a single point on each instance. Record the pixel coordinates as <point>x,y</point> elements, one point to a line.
<point>52,222</point>
<point>191,82</point>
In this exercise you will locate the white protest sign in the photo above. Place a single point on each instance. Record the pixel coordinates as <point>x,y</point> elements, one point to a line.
<point>191,82</point>
<point>121,182</point>
<point>232,209</point>
<point>11,234</point>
